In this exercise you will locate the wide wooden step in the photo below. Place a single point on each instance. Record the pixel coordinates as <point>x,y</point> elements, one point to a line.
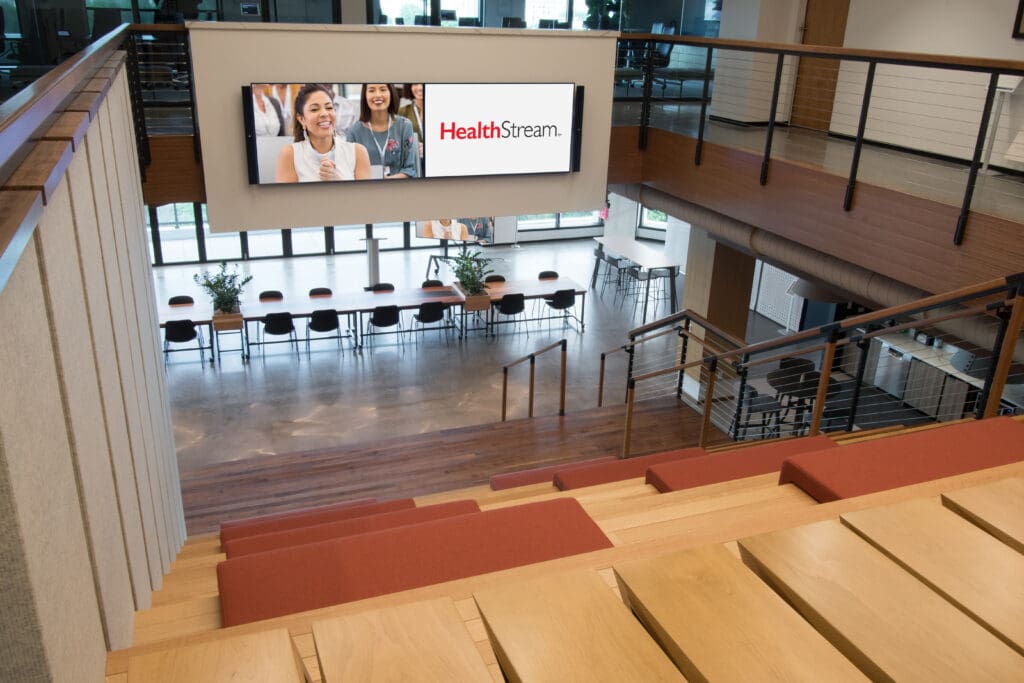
<point>998,508</point>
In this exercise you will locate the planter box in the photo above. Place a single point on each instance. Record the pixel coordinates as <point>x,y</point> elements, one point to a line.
<point>475,302</point>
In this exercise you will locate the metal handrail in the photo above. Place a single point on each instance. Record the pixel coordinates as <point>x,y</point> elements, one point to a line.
<point>532,357</point>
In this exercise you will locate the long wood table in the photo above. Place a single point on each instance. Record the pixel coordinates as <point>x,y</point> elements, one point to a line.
<point>537,289</point>
<point>351,304</point>
<point>642,255</point>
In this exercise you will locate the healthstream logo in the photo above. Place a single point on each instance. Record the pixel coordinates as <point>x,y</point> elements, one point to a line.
<point>450,130</point>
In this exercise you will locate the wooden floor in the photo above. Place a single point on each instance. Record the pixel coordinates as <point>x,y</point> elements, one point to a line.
<point>425,464</point>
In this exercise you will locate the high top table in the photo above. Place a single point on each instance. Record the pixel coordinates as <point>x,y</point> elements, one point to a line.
<point>642,255</point>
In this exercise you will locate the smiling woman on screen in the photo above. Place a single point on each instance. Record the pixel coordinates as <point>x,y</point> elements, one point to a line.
<point>318,152</point>
<point>388,137</point>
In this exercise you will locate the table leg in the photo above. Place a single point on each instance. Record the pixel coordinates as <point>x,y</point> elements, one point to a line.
<point>583,310</point>
<point>597,264</point>
<point>647,297</point>
<point>672,280</point>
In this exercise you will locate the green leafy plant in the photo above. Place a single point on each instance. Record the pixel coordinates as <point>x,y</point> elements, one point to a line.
<point>470,270</point>
<point>224,288</point>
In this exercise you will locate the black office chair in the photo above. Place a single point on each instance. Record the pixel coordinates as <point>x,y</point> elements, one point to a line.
<point>279,325</point>
<point>422,20</point>
<point>182,332</point>
<point>431,312</point>
<point>513,22</point>
<point>324,320</point>
<point>271,295</point>
<point>320,292</point>
<point>544,275</point>
<point>382,287</point>
<point>180,300</point>
<point>384,317</point>
<point>546,23</point>
<point>494,278</point>
<point>511,306</point>
<point>469,21</point>
<point>547,275</point>
<point>758,412</point>
<point>432,283</point>
<point>562,300</point>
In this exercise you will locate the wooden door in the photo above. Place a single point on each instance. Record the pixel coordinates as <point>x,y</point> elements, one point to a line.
<point>824,24</point>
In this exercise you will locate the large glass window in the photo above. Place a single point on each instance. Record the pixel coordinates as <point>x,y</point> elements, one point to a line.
<point>557,221</point>
<point>308,241</point>
<point>392,234</point>
<point>177,228</point>
<point>652,218</point>
<point>349,238</point>
<point>264,243</point>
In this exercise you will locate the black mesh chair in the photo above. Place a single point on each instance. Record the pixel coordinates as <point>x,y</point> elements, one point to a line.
<point>547,275</point>
<point>280,325</point>
<point>384,317</point>
<point>432,283</point>
<point>320,292</point>
<point>324,320</point>
<point>543,275</point>
<point>382,287</point>
<point>494,278</point>
<point>180,300</point>
<point>271,295</point>
<point>758,412</point>
<point>511,306</point>
<point>431,312</point>
<point>183,332</point>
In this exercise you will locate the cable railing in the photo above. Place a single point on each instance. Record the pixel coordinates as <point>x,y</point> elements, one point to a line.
<point>938,359</point>
<point>844,110</point>
<point>532,359</point>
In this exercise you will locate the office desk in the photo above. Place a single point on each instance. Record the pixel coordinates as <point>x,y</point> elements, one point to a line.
<point>642,255</point>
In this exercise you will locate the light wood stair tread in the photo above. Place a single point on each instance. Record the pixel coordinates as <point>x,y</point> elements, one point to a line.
<point>260,656</point>
<point>998,508</point>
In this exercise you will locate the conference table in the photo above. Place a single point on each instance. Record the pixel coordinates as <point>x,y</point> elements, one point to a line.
<point>535,289</point>
<point>351,304</point>
<point>647,258</point>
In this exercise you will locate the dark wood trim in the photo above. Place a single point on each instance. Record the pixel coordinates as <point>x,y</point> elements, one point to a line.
<point>88,102</point>
<point>70,126</point>
<point>43,168</point>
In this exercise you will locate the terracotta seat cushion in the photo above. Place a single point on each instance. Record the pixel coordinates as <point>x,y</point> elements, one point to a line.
<point>618,469</point>
<point>726,466</point>
<point>538,475</point>
<point>295,519</point>
<point>883,464</point>
<point>299,578</point>
<point>346,527</point>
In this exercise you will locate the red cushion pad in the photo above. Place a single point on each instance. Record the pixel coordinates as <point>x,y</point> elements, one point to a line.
<point>294,519</point>
<point>744,462</point>
<point>346,527</point>
<point>539,475</point>
<point>883,464</point>
<point>619,469</point>
<point>270,584</point>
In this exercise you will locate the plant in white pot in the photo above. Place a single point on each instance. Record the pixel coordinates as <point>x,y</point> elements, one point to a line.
<point>224,288</point>
<point>470,270</point>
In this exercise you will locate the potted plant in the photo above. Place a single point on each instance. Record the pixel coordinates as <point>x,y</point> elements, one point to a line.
<point>224,288</point>
<point>470,270</point>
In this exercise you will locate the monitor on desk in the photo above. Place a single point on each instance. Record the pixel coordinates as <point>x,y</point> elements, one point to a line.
<point>479,229</point>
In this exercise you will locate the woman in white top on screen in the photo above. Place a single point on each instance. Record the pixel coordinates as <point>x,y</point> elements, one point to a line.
<point>318,152</point>
<point>266,111</point>
<point>448,229</point>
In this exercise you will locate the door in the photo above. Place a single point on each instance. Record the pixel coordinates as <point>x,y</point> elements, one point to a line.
<point>824,24</point>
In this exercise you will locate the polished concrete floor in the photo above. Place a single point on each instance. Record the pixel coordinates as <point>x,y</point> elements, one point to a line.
<point>281,402</point>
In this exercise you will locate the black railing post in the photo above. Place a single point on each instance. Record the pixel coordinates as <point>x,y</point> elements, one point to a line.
<point>771,119</point>
<point>682,355</point>
<point>703,109</point>
<point>1004,320</point>
<point>630,351</point>
<point>862,361</point>
<point>741,371</point>
<point>869,83</point>
<point>138,108</point>
<point>645,105</point>
<point>972,177</point>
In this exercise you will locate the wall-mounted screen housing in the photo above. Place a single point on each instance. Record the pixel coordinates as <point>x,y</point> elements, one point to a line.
<point>306,132</point>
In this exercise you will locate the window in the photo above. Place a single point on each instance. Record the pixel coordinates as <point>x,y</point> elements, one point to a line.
<point>653,219</point>
<point>559,221</point>
<point>177,229</point>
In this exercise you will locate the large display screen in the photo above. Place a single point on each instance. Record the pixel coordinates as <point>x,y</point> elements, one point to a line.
<point>314,132</point>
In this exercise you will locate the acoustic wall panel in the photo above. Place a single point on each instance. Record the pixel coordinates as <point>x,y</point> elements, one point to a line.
<point>76,369</point>
<point>107,307</point>
<point>48,595</point>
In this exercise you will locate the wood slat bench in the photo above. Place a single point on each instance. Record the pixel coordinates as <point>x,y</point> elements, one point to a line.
<point>975,571</point>
<point>420,641</point>
<point>569,627</point>
<point>619,469</point>
<point>998,508</point>
<point>719,622</point>
<point>260,656</point>
<point>892,626</point>
<point>538,475</point>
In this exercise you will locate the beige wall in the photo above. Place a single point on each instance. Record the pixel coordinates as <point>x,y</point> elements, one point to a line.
<point>90,510</point>
<point>228,56</point>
